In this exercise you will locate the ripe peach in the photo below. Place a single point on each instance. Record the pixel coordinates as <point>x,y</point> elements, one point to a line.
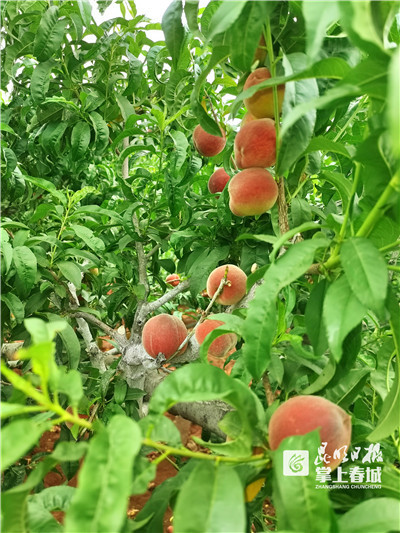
<point>218,180</point>
<point>234,291</point>
<point>261,104</point>
<point>206,143</point>
<point>163,334</point>
<point>220,346</point>
<point>173,279</point>
<point>303,414</point>
<point>255,144</point>
<point>252,192</point>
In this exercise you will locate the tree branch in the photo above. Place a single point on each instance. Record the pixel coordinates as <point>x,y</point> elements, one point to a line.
<point>119,339</point>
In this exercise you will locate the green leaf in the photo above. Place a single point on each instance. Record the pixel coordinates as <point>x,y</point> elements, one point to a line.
<point>296,138</point>
<point>181,146</point>
<point>342,312</point>
<point>80,139</point>
<point>101,500</point>
<point>244,34</point>
<point>13,409</point>
<point>87,235</point>
<point>101,129</point>
<point>366,272</point>
<point>41,331</point>
<point>340,183</point>
<point>42,503</point>
<point>51,136</point>
<point>279,242</point>
<point>218,493</point>
<point>191,9</point>
<point>125,106</point>
<point>49,35</point>
<point>358,22</point>
<point>299,505</point>
<point>81,194</point>
<point>205,382</point>
<point>71,272</point>
<point>318,16</point>
<point>219,53</point>
<point>173,30</point>
<point>259,326</point>
<point>349,387</point>
<point>379,515</point>
<point>15,306</point>
<point>227,13</point>
<point>324,144</point>
<point>393,105</point>
<point>7,128</point>
<point>71,345</point>
<point>40,81</point>
<point>85,10</point>
<point>313,318</point>
<point>18,438</point>
<point>26,266</point>
<point>47,186</point>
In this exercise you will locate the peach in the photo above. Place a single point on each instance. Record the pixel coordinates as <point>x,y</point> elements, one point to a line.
<point>163,334</point>
<point>206,143</point>
<point>220,346</point>
<point>252,192</point>
<point>255,144</point>
<point>236,288</point>
<point>303,414</point>
<point>261,104</point>
<point>218,180</point>
<point>173,279</point>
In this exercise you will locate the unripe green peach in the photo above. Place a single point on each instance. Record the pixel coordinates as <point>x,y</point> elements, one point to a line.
<point>255,144</point>
<point>206,143</point>
<point>218,180</point>
<point>220,346</point>
<point>252,192</point>
<point>163,334</point>
<point>261,104</point>
<point>303,414</point>
<point>236,288</point>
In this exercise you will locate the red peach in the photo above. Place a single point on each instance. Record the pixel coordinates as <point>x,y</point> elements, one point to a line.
<point>206,143</point>
<point>303,414</point>
<point>234,291</point>
<point>220,346</point>
<point>173,279</point>
<point>261,104</point>
<point>255,144</point>
<point>218,180</point>
<point>252,192</point>
<point>163,334</point>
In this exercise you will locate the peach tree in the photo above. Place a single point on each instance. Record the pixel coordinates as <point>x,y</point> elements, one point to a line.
<point>108,142</point>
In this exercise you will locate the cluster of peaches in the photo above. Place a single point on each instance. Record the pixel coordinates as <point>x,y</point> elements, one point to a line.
<point>252,191</point>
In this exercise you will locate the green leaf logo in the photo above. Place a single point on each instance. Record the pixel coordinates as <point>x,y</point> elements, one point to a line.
<point>295,463</point>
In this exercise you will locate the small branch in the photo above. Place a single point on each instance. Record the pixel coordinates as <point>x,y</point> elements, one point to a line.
<point>270,396</point>
<point>167,297</point>
<point>282,207</point>
<point>119,339</point>
<point>153,251</point>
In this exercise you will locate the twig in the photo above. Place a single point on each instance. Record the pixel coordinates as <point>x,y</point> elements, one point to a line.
<point>224,281</point>
<point>270,396</point>
<point>119,339</point>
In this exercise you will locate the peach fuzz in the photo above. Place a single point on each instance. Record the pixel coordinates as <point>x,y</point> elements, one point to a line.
<point>303,414</point>
<point>252,192</point>
<point>261,104</point>
<point>206,143</point>
<point>163,334</point>
<point>232,292</point>
<point>173,279</point>
<point>218,180</point>
<point>255,144</point>
<point>220,346</point>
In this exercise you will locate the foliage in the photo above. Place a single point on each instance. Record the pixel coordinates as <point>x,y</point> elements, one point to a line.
<point>104,195</point>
